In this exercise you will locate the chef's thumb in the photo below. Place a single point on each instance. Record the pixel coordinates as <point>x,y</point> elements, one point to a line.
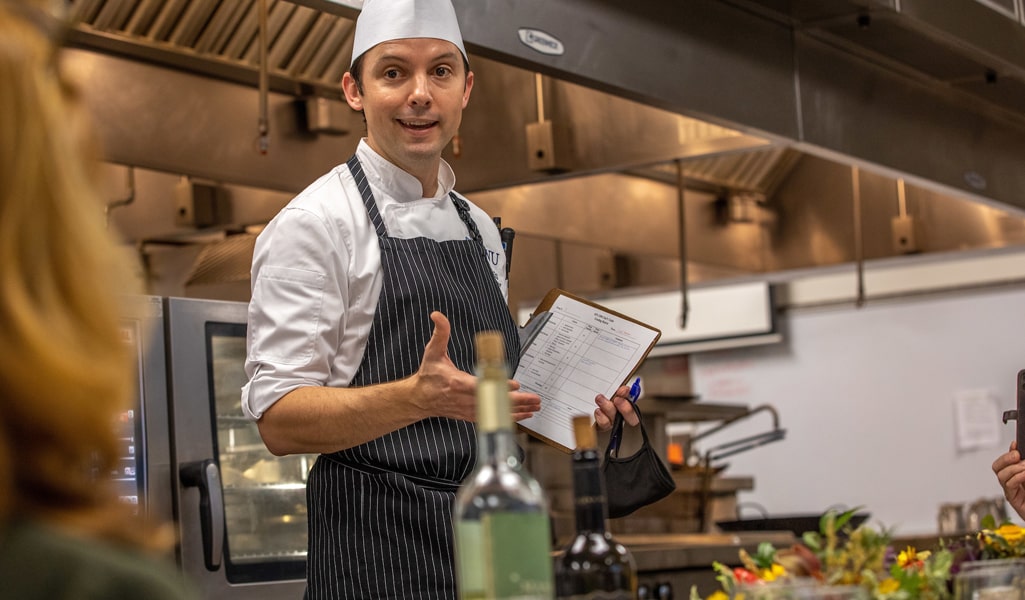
<point>437,346</point>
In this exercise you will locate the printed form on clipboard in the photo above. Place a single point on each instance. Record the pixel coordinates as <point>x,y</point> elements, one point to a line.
<point>571,350</point>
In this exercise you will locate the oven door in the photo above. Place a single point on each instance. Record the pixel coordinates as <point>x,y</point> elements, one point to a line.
<point>241,511</point>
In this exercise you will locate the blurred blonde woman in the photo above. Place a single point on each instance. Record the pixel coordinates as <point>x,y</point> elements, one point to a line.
<point>64,372</point>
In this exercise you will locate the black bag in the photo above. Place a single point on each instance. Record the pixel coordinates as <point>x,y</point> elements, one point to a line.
<point>637,480</point>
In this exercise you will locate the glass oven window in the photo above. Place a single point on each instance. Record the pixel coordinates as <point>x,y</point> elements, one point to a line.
<point>264,495</point>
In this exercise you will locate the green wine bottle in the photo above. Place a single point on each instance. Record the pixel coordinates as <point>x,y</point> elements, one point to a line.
<point>502,539</point>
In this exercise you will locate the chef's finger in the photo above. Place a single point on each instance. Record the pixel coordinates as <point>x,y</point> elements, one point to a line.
<point>602,420</point>
<point>626,408</point>
<point>437,346</point>
<point>522,402</point>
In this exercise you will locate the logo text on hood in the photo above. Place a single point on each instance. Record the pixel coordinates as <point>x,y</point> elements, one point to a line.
<point>541,41</point>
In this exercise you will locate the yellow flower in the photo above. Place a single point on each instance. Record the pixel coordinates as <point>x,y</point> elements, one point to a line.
<point>720,595</point>
<point>889,585</point>
<point>911,557</point>
<point>1012,533</point>
<point>770,574</point>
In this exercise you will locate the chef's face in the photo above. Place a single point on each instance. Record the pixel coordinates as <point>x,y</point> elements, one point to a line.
<point>413,94</point>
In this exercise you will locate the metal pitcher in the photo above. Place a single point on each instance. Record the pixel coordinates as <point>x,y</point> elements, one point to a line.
<point>951,518</point>
<point>978,510</point>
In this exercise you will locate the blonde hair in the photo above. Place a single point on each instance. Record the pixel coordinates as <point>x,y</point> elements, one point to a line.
<point>64,371</point>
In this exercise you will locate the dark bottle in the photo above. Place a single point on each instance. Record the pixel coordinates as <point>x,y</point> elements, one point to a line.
<point>594,565</point>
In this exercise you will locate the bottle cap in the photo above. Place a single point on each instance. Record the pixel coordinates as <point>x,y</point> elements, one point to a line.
<point>490,346</point>
<point>583,430</point>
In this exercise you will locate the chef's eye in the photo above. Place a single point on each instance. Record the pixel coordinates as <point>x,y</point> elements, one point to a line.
<point>391,73</point>
<point>442,71</point>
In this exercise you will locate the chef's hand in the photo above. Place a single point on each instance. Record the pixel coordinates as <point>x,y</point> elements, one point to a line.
<point>605,414</point>
<point>1010,472</point>
<point>448,392</point>
<point>523,404</point>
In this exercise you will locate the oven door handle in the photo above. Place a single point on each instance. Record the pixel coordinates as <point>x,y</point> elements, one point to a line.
<point>206,476</point>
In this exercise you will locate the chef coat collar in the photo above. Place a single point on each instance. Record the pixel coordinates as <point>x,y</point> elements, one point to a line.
<point>397,183</point>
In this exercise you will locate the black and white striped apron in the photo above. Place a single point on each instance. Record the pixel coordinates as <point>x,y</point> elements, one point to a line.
<point>380,514</point>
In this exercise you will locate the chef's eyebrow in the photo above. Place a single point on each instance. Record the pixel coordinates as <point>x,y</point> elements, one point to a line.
<point>452,56</point>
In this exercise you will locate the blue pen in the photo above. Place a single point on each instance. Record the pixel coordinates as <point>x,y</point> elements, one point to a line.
<point>635,391</point>
<point>635,394</point>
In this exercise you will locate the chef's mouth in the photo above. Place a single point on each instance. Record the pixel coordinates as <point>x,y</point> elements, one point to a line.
<point>417,125</point>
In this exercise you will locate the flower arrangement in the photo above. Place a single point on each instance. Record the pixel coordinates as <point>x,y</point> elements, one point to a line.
<point>839,555</point>
<point>1006,541</point>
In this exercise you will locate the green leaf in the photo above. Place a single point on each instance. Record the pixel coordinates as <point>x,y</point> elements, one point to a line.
<point>846,516</point>
<point>725,577</point>
<point>765,555</point>
<point>825,521</point>
<point>988,522</point>
<point>812,540</point>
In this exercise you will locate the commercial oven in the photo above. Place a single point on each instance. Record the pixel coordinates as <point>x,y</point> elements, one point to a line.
<point>143,474</point>
<point>240,511</point>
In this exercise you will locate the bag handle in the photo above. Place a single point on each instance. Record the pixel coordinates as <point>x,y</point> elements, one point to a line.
<point>616,438</point>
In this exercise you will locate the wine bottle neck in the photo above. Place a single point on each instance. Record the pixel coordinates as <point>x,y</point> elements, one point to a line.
<point>498,446</point>
<point>493,404</point>
<point>588,492</point>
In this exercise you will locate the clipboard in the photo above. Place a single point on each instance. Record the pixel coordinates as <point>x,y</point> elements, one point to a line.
<point>571,350</point>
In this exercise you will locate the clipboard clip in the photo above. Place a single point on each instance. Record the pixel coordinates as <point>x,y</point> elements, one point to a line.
<point>528,333</point>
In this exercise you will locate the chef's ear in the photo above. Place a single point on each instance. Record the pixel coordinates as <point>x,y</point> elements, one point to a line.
<point>353,94</point>
<point>467,88</point>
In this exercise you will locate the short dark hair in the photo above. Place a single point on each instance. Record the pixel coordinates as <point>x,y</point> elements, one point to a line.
<point>356,70</point>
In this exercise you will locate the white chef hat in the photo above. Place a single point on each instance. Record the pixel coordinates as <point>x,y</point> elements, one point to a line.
<point>387,20</point>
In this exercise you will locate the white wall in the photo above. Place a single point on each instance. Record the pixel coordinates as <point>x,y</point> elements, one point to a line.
<point>868,400</point>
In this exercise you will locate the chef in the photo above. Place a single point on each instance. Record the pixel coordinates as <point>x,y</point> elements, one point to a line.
<point>368,289</point>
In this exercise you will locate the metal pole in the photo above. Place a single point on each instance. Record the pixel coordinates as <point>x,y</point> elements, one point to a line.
<point>682,236</point>
<point>263,126</point>
<point>859,250</point>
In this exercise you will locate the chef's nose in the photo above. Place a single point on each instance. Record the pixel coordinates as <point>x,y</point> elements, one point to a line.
<point>420,95</point>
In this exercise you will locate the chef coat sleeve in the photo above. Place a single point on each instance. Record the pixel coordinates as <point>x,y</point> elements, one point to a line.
<point>297,308</point>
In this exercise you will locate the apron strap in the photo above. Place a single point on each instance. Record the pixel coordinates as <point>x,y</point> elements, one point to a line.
<point>368,196</point>
<point>464,213</point>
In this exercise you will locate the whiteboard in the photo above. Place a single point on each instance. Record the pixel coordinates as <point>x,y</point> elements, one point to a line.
<point>868,400</point>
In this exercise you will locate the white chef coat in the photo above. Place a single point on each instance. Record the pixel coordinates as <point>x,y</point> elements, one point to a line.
<point>316,274</point>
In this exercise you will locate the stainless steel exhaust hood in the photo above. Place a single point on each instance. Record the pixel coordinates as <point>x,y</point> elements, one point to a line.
<point>933,91</point>
<point>766,104</point>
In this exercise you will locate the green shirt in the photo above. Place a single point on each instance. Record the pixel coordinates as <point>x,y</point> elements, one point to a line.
<point>41,562</point>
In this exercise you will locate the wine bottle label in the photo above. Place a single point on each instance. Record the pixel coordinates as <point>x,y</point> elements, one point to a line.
<point>505,556</point>
<point>470,560</point>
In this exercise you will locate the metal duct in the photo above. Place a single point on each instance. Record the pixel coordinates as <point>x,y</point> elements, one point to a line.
<point>759,171</point>
<point>228,260</point>
<point>309,49</point>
